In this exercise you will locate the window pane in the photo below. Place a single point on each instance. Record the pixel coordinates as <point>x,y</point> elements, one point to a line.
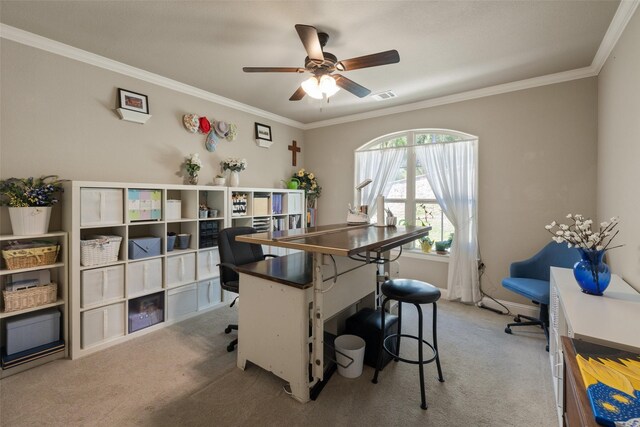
<point>423,189</point>
<point>441,227</point>
<point>398,185</point>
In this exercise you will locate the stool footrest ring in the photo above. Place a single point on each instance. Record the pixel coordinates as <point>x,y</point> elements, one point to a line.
<point>415,362</point>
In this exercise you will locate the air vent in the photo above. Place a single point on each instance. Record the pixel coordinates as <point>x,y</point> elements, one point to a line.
<point>384,95</point>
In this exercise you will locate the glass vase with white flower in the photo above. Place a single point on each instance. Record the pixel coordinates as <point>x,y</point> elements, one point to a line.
<point>591,273</point>
<point>192,165</point>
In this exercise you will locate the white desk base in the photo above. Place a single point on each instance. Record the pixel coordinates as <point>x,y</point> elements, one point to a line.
<point>275,321</point>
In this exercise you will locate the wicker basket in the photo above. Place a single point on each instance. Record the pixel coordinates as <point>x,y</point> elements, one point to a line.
<point>31,297</point>
<point>99,250</point>
<point>30,255</point>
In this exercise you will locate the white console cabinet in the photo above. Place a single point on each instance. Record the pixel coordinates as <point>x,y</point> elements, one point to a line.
<point>608,320</point>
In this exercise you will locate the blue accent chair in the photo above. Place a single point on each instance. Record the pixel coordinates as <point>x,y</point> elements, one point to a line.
<point>530,278</point>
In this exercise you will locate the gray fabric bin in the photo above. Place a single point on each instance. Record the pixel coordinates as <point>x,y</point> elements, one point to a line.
<point>32,330</point>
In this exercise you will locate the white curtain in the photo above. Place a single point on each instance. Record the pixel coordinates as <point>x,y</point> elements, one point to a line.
<point>452,171</point>
<point>380,166</point>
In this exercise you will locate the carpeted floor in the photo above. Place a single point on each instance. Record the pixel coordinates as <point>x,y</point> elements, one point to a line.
<point>183,375</point>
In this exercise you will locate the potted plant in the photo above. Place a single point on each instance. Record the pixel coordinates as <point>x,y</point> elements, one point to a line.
<point>235,166</point>
<point>308,182</point>
<point>426,243</point>
<point>30,201</point>
<point>219,180</point>
<point>443,246</point>
<point>193,164</point>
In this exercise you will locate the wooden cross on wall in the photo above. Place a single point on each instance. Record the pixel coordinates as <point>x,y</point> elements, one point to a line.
<point>294,151</point>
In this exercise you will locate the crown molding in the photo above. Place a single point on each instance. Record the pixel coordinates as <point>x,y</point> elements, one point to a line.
<point>549,79</point>
<point>24,37</point>
<point>619,22</point>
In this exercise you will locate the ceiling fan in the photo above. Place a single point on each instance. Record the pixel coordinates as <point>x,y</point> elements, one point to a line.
<point>323,64</point>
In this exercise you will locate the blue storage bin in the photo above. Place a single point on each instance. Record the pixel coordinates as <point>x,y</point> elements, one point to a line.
<point>144,247</point>
<point>31,330</point>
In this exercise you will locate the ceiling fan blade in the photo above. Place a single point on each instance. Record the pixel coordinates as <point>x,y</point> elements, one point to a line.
<point>310,41</point>
<point>351,86</point>
<point>373,60</point>
<point>298,94</point>
<point>273,70</point>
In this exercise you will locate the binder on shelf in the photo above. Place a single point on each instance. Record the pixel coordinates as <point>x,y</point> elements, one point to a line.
<point>277,204</point>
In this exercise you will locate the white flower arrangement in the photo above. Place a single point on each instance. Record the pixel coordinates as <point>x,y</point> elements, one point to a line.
<point>235,165</point>
<point>580,234</point>
<point>193,164</point>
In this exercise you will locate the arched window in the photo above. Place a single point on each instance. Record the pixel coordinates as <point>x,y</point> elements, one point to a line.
<point>407,191</point>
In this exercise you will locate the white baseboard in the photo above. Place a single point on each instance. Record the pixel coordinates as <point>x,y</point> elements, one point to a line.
<point>514,307</point>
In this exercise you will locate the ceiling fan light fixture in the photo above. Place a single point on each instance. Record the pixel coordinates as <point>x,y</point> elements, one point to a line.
<point>328,85</point>
<point>312,87</point>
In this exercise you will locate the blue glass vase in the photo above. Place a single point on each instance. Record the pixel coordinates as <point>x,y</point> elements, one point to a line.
<point>591,273</point>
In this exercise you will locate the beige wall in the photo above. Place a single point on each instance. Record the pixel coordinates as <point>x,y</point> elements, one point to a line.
<point>58,117</point>
<point>619,149</point>
<point>537,151</point>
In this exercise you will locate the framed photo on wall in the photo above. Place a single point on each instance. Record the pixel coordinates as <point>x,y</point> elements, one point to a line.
<point>263,132</point>
<point>133,101</point>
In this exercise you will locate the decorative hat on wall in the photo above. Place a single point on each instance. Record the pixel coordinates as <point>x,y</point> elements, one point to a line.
<point>212,141</point>
<point>233,132</point>
<point>221,128</point>
<point>191,122</point>
<point>205,126</point>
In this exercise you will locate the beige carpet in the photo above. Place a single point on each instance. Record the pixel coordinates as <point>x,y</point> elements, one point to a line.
<point>183,375</point>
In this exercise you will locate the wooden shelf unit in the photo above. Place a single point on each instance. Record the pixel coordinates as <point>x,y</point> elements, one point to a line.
<point>59,275</point>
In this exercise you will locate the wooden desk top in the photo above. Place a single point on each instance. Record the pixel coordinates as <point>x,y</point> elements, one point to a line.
<point>339,239</point>
<point>293,270</point>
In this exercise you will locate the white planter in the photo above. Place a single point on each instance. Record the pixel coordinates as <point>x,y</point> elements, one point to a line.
<point>219,181</point>
<point>30,221</point>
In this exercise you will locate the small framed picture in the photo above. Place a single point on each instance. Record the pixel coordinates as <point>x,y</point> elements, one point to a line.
<point>133,101</point>
<point>263,132</point>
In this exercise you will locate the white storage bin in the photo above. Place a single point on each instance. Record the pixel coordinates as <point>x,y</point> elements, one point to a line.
<point>101,206</point>
<point>31,330</point>
<point>182,301</point>
<point>294,203</point>
<point>209,293</point>
<point>181,269</point>
<point>144,276</point>
<point>174,209</point>
<point>102,324</point>
<point>208,264</point>
<point>102,285</point>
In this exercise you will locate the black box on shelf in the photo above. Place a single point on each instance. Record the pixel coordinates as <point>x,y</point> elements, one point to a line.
<point>146,311</point>
<point>209,234</point>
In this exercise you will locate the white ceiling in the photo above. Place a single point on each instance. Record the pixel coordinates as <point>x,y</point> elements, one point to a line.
<point>445,47</point>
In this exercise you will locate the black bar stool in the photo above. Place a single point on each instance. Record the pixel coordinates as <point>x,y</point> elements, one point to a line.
<point>416,293</point>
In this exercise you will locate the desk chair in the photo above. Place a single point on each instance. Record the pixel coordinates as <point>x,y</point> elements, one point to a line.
<point>530,278</point>
<point>233,254</point>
